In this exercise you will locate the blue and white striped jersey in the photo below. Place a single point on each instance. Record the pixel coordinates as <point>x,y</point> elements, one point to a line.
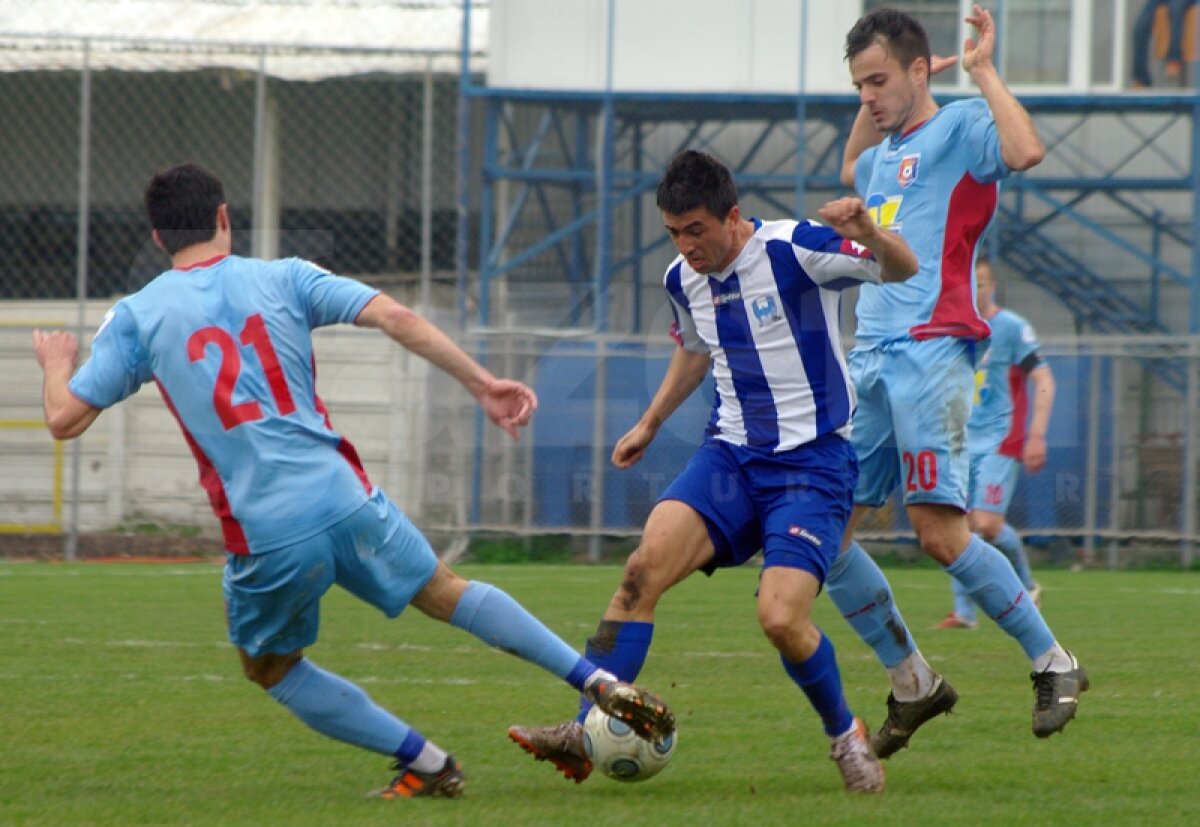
<point>770,322</point>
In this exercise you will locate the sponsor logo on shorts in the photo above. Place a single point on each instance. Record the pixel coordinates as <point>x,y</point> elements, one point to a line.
<point>804,534</point>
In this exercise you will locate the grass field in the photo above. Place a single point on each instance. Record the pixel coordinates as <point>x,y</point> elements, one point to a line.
<point>122,704</point>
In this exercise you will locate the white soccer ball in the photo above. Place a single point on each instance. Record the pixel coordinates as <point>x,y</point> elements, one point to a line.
<point>620,754</point>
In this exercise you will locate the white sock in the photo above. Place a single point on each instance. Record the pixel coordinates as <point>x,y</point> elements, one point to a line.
<point>912,678</point>
<point>1054,659</point>
<point>431,759</point>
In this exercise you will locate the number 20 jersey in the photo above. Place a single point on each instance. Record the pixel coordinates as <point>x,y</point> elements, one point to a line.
<point>935,185</point>
<point>229,344</point>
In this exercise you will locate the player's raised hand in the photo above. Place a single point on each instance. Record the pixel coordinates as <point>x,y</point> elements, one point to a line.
<point>55,347</point>
<point>848,217</point>
<point>937,64</point>
<point>978,52</point>
<point>510,404</point>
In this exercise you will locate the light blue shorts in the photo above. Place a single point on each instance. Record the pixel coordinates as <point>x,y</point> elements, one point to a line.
<point>910,427</point>
<point>793,505</point>
<point>993,480</point>
<point>273,600</point>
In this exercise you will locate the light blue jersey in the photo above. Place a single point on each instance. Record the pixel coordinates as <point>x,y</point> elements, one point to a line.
<point>998,419</point>
<point>935,185</point>
<point>229,344</point>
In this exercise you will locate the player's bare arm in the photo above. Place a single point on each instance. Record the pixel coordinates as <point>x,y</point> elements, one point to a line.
<point>1020,145</point>
<point>1034,456</point>
<point>685,373</point>
<point>57,352</point>
<point>850,219</point>
<point>508,403</point>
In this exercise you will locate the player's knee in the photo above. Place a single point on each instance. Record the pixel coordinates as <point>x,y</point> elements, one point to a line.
<point>268,670</point>
<point>643,582</point>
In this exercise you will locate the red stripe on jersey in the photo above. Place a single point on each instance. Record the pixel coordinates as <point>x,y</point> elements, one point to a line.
<point>1014,442</point>
<point>344,446</point>
<point>972,205</point>
<point>208,262</point>
<point>210,481</point>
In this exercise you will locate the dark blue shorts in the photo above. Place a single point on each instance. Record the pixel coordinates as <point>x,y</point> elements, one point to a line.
<point>794,505</point>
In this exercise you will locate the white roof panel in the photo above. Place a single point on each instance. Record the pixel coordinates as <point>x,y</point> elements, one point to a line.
<point>338,37</point>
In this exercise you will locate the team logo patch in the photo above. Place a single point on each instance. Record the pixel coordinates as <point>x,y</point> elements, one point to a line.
<point>766,310</point>
<point>907,173</point>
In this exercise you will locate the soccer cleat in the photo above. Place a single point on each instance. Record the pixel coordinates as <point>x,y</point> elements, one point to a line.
<point>1057,697</point>
<point>904,717</point>
<point>1035,594</point>
<point>862,771</point>
<point>448,782</point>
<point>645,713</point>
<point>561,745</point>
<point>956,621</point>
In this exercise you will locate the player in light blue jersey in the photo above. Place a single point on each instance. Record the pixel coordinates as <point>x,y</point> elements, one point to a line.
<point>228,341</point>
<point>757,304</point>
<point>930,173</point>
<point>999,439</point>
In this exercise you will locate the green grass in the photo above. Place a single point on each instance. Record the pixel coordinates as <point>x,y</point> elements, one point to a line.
<point>122,704</point>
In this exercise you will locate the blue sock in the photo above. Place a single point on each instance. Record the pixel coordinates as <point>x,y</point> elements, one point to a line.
<point>990,580</point>
<point>822,683</point>
<point>335,707</point>
<point>964,607</point>
<point>499,621</point>
<point>1010,545</point>
<point>864,597</point>
<point>619,647</point>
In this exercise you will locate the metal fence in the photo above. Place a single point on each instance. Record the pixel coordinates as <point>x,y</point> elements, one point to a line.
<point>1120,482</point>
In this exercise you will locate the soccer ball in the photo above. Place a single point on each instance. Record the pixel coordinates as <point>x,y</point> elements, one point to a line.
<point>620,754</point>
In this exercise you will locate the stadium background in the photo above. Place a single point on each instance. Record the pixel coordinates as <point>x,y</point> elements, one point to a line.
<point>505,187</point>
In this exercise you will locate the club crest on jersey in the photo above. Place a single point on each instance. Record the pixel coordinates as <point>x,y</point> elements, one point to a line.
<point>766,310</point>
<point>907,173</point>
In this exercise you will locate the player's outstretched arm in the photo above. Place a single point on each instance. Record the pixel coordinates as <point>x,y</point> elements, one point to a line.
<point>685,373</point>
<point>1020,145</point>
<point>508,403</point>
<point>67,416</point>
<point>848,217</point>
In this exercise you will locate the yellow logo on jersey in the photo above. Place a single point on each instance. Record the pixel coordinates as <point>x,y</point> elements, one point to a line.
<point>980,382</point>
<point>884,209</point>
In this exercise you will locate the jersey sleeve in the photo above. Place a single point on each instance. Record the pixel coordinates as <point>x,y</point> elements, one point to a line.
<point>1026,353</point>
<point>982,142</point>
<point>329,299</point>
<point>118,364</point>
<point>831,261</point>
<point>683,330</point>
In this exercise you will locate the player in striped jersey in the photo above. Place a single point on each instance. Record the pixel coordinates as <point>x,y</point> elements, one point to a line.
<point>757,304</point>
<point>228,341</point>
<point>999,439</point>
<point>931,173</point>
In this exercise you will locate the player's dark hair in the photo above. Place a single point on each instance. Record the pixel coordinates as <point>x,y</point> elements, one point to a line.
<point>901,35</point>
<point>696,179</point>
<point>182,203</point>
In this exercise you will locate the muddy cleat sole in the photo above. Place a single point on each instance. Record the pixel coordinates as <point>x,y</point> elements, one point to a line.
<point>861,769</point>
<point>561,745</point>
<point>956,621</point>
<point>905,717</point>
<point>448,782</point>
<point>1057,697</point>
<point>646,713</point>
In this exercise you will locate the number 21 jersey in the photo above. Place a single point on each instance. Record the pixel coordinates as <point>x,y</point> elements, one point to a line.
<point>229,344</point>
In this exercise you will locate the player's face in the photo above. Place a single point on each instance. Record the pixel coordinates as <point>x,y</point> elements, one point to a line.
<point>985,287</point>
<point>707,242</point>
<point>889,91</point>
